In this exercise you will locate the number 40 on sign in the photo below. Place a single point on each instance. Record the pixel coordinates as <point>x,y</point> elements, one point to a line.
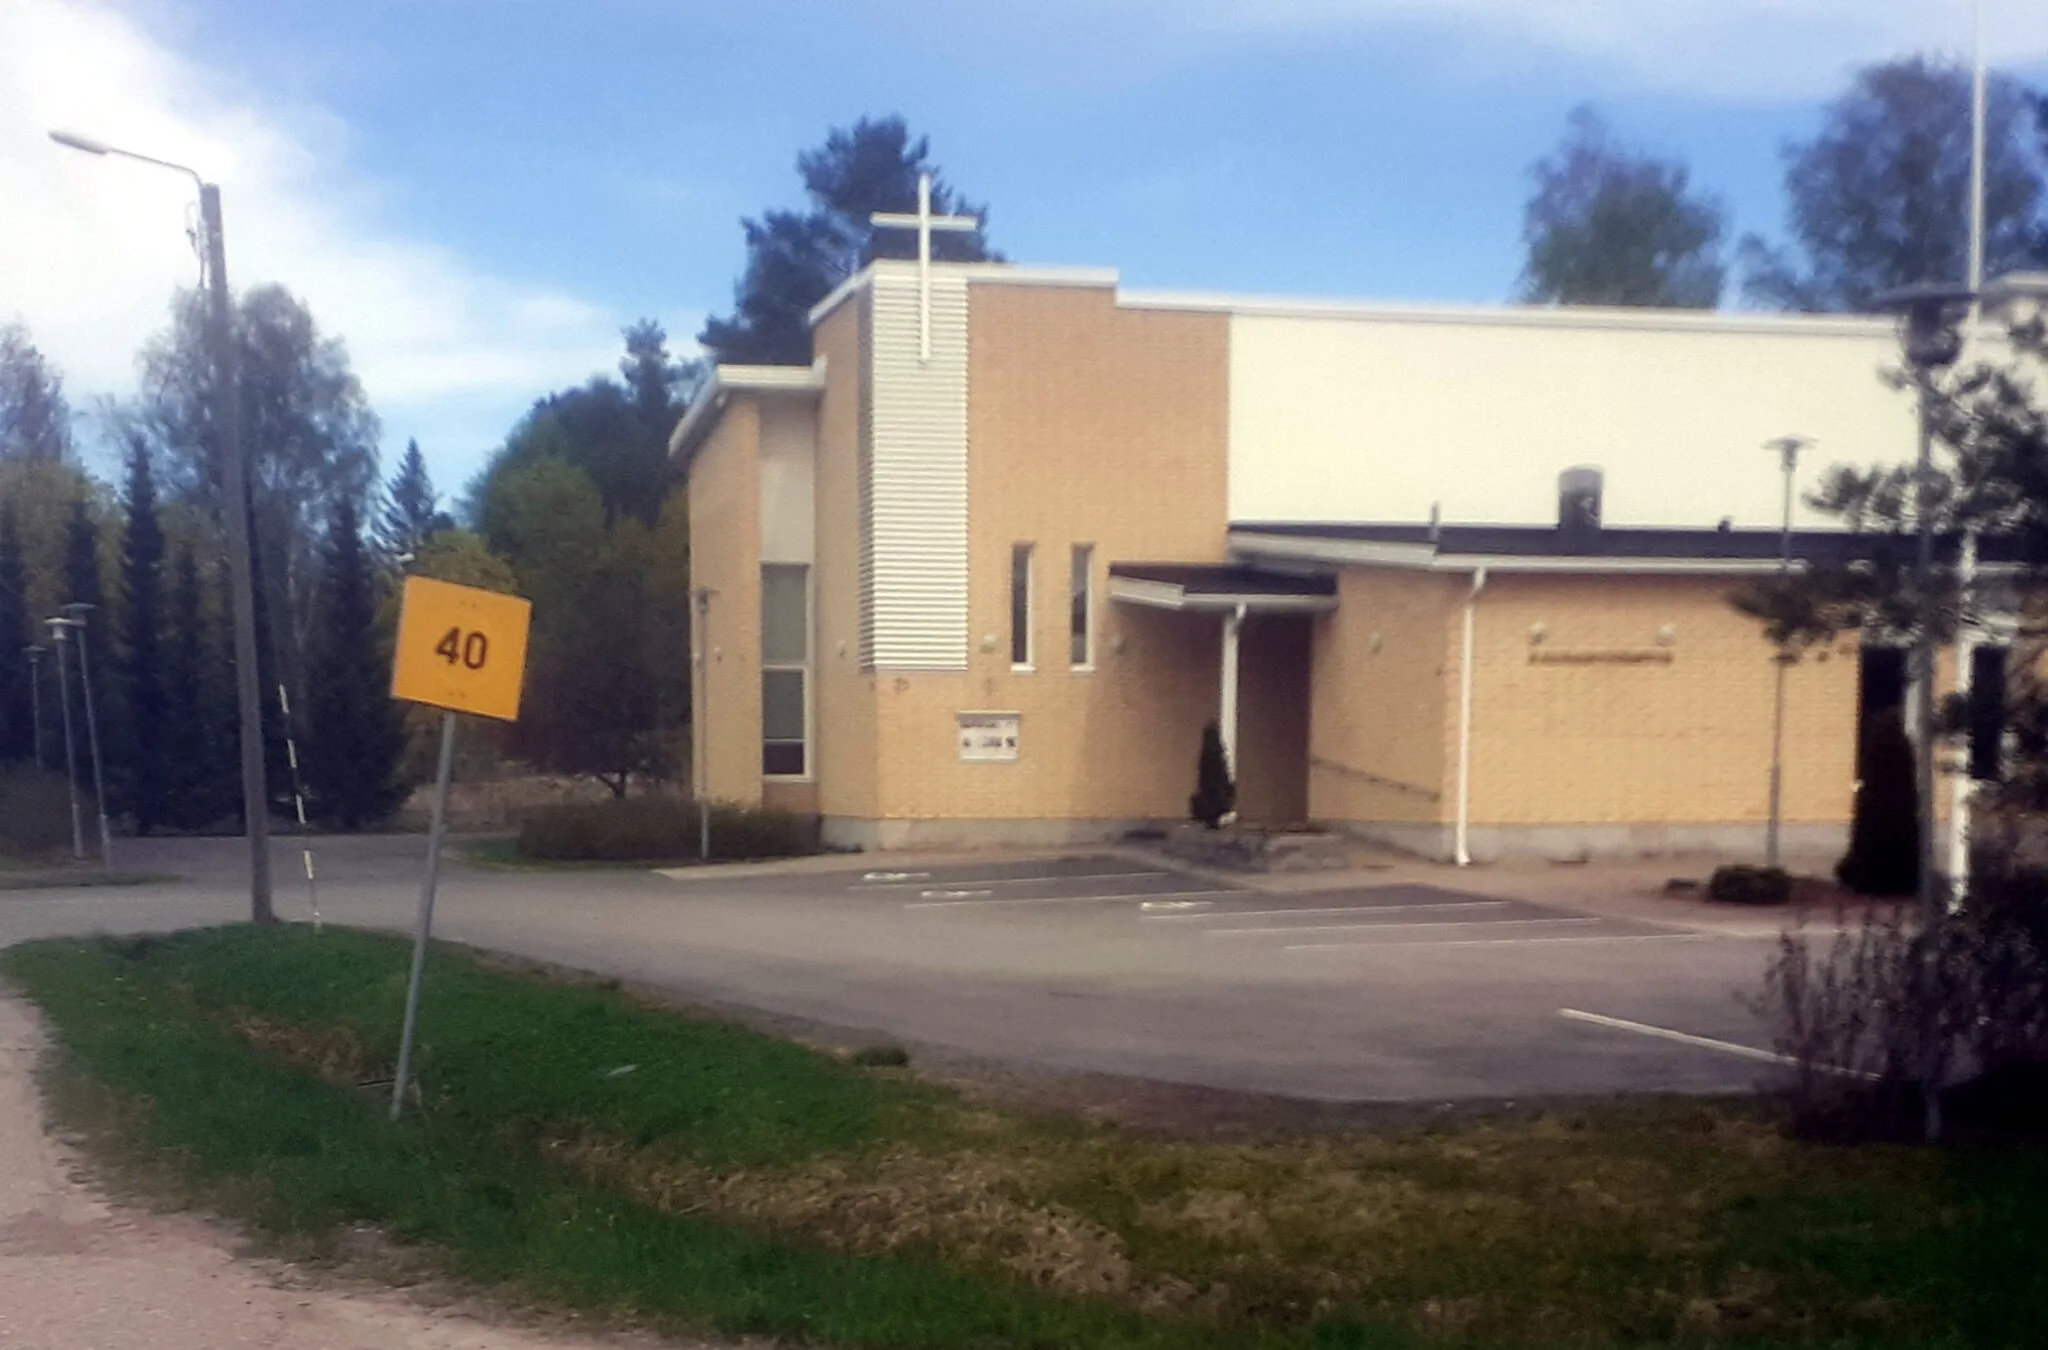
<point>461,648</point>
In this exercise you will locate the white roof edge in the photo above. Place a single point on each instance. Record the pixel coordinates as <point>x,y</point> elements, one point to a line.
<point>1425,558</point>
<point>1518,316</point>
<point>727,380</point>
<point>992,273</point>
<point>838,294</point>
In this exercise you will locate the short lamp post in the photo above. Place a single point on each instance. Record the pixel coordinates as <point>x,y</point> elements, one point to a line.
<point>35,652</point>
<point>75,615</point>
<point>58,628</point>
<point>227,412</point>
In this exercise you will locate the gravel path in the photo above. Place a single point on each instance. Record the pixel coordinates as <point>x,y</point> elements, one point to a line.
<point>78,1273</point>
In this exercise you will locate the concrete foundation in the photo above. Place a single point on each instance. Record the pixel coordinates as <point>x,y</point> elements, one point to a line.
<point>1579,843</point>
<point>876,836</point>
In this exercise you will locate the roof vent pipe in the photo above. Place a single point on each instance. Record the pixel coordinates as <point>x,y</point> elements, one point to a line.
<point>1578,508</point>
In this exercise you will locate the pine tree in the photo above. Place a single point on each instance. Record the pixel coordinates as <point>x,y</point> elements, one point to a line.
<point>142,555</point>
<point>197,791</point>
<point>17,709</point>
<point>410,515</point>
<point>356,734</point>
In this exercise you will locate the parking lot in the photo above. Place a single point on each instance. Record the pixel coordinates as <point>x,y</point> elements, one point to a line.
<point>1400,990</point>
<point>1406,986</point>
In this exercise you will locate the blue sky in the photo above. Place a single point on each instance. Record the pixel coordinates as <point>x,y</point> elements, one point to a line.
<point>476,194</point>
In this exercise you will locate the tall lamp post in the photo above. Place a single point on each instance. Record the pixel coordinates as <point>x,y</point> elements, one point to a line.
<point>1788,448</point>
<point>235,508</point>
<point>58,628</point>
<point>74,616</point>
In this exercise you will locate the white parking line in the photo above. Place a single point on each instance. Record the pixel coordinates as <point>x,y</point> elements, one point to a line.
<point>1334,909</point>
<point>1489,942</point>
<point>1666,1034</point>
<point>925,879</point>
<point>1064,899</point>
<point>1361,927</point>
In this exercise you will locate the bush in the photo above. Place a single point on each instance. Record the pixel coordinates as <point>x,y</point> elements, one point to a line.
<point>1742,884</point>
<point>1215,794</point>
<point>35,813</point>
<point>1884,833</point>
<point>660,829</point>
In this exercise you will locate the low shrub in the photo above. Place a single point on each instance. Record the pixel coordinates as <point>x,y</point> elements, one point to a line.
<point>35,813</point>
<point>660,829</point>
<point>1743,884</point>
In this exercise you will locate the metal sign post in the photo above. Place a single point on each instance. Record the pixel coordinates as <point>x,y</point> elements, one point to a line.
<point>425,925</point>
<point>461,650</point>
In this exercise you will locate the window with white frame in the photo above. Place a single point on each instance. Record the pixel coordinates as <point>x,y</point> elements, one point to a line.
<point>1082,621</point>
<point>785,670</point>
<point>1020,606</point>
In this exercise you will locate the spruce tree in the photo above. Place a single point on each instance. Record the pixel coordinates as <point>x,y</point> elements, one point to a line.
<point>148,779</point>
<point>410,515</point>
<point>198,741</point>
<point>17,708</point>
<point>356,734</point>
<point>83,584</point>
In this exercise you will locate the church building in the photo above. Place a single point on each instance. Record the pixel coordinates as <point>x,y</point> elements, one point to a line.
<point>1454,579</point>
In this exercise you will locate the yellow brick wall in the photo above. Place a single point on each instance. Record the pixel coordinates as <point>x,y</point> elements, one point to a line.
<point>1086,424</point>
<point>725,555</point>
<point>1384,698</point>
<point>1622,744</point>
<point>843,702</point>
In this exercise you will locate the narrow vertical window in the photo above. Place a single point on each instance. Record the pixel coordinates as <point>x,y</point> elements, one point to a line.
<point>1020,606</point>
<point>1082,622</point>
<point>785,670</point>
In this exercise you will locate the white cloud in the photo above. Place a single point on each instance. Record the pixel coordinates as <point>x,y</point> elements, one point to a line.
<point>1738,49</point>
<point>90,249</point>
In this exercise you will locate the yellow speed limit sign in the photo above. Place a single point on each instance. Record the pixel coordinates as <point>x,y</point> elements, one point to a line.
<point>461,648</point>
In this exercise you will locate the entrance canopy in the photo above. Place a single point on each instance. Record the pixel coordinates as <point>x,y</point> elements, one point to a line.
<point>1230,588</point>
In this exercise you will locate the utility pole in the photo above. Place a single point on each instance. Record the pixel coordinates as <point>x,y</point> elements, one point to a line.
<point>227,412</point>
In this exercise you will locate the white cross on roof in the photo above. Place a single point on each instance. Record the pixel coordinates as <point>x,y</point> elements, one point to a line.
<point>924,222</point>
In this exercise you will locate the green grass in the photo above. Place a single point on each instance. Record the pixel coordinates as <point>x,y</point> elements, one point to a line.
<point>577,1146</point>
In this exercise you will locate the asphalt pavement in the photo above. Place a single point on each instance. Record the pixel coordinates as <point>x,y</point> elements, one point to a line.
<point>1402,990</point>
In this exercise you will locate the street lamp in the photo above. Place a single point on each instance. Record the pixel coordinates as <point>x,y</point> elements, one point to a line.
<point>74,615</point>
<point>235,493</point>
<point>35,654</point>
<point>58,628</point>
<point>1788,448</point>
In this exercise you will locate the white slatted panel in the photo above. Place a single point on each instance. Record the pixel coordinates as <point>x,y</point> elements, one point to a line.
<point>915,575</point>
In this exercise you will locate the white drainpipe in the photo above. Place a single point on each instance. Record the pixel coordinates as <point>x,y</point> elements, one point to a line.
<point>1462,850</point>
<point>1226,720</point>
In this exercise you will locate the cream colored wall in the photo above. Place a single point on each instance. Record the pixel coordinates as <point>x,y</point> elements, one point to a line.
<point>789,433</point>
<point>725,555</point>
<point>1651,743</point>
<point>1376,419</point>
<point>1384,698</point>
<point>1087,424</point>
<point>843,701</point>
